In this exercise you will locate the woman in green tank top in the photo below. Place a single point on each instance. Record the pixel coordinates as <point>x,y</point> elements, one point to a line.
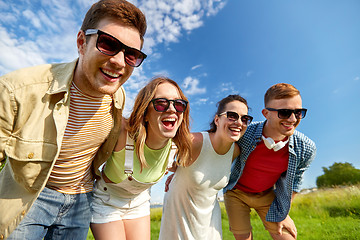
<point>158,129</point>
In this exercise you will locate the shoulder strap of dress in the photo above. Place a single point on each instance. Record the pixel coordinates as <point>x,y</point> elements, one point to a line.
<point>172,153</point>
<point>206,141</point>
<point>129,156</point>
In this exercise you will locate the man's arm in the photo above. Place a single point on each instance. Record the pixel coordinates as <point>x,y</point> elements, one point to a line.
<point>288,223</point>
<point>7,106</point>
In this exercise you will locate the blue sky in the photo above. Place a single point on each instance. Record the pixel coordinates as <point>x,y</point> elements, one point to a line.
<point>213,48</point>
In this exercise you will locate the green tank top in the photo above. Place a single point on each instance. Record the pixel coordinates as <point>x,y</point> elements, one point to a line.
<point>156,160</point>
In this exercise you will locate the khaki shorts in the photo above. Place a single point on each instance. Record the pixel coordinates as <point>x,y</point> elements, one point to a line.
<point>238,206</point>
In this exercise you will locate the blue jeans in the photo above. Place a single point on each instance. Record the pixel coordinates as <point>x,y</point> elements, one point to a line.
<point>56,216</point>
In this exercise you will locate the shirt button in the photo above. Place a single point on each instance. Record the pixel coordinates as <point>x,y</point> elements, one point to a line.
<point>105,188</point>
<point>30,155</point>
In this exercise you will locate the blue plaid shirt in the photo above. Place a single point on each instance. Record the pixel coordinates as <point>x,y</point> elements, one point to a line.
<point>302,151</point>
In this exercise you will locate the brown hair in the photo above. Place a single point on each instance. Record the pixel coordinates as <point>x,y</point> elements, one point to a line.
<point>122,10</point>
<point>221,107</point>
<point>280,91</point>
<point>137,126</point>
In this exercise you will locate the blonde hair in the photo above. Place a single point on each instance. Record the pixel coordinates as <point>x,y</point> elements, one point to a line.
<point>137,127</point>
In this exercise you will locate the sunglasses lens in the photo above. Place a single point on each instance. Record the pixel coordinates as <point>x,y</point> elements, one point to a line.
<point>246,119</point>
<point>161,105</point>
<point>133,57</point>
<point>180,105</point>
<point>233,116</point>
<point>108,45</point>
<point>284,113</point>
<point>111,46</point>
<point>300,113</point>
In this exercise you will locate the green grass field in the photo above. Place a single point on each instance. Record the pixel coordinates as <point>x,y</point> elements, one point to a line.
<point>325,214</point>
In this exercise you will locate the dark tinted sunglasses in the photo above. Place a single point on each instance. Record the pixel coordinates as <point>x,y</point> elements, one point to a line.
<point>111,46</point>
<point>286,113</point>
<point>163,104</point>
<point>233,116</point>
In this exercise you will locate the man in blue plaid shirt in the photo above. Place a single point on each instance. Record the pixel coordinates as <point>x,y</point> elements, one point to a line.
<point>269,170</point>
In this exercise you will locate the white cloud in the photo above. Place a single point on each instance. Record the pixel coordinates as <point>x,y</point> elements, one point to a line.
<point>32,18</point>
<point>187,7</point>
<point>227,87</point>
<point>7,17</point>
<point>52,25</point>
<point>190,86</point>
<point>16,54</point>
<point>249,73</point>
<point>196,66</point>
<point>44,31</point>
<point>167,19</point>
<point>191,22</point>
<point>357,79</point>
<point>163,73</point>
<point>200,101</point>
<point>214,6</point>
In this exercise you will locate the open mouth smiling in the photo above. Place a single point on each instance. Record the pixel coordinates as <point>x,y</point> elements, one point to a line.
<point>169,122</point>
<point>288,125</point>
<point>109,73</point>
<point>235,129</point>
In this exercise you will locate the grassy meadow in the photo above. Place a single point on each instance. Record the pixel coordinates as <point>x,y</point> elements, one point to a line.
<point>324,214</point>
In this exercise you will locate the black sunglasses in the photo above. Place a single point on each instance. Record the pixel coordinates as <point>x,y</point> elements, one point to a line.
<point>111,46</point>
<point>233,116</point>
<point>163,104</point>
<point>286,113</point>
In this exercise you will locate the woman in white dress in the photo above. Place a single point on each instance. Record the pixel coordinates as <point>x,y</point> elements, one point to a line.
<point>191,209</point>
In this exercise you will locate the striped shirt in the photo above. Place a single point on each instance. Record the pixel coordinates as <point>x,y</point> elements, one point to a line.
<point>89,123</point>
<point>302,151</point>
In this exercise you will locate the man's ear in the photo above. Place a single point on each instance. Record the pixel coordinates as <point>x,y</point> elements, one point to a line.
<point>81,42</point>
<point>265,113</point>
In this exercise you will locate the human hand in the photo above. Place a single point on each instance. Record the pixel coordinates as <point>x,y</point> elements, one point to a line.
<point>168,181</point>
<point>289,224</point>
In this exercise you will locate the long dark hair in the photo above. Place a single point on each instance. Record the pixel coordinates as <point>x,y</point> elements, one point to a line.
<point>221,107</point>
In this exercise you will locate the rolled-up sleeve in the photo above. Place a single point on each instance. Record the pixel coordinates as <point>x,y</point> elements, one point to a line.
<point>7,115</point>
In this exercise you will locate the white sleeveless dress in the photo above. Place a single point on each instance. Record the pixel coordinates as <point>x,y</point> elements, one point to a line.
<point>191,209</point>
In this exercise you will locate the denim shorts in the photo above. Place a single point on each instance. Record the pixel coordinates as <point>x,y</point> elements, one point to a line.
<point>56,216</point>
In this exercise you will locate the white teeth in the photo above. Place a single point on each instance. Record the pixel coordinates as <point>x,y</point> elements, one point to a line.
<point>169,119</point>
<point>114,75</point>
<point>235,129</point>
